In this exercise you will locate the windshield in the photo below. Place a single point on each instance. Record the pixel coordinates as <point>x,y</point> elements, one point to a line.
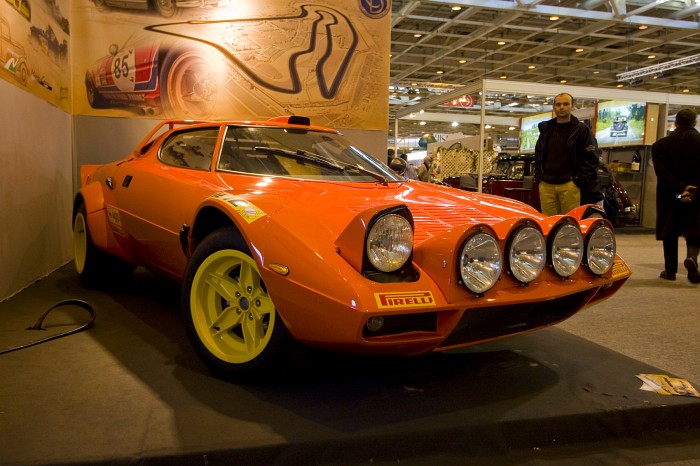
<point>501,168</point>
<point>298,153</point>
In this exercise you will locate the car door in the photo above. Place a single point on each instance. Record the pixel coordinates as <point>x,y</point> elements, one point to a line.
<point>158,193</point>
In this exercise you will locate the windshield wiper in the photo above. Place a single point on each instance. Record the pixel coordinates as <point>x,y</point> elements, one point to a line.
<point>302,156</point>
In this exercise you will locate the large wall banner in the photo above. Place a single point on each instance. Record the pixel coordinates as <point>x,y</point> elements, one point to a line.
<point>34,48</point>
<point>233,59</point>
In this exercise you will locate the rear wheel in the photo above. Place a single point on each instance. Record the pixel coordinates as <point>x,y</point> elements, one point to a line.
<point>230,317</point>
<point>189,84</point>
<point>94,266</point>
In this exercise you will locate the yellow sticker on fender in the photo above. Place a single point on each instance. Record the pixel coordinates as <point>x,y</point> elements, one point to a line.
<point>245,209</point>
<point>404,299</point>
<point>620,269</point>
<point>115,220</point>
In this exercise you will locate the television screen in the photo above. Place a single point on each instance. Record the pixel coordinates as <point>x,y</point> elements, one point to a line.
<point>529,131</point>
<point>620,123</point>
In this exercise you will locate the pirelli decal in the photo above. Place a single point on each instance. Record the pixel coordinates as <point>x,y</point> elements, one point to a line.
<point>620,269</point>
<point>404,299</point>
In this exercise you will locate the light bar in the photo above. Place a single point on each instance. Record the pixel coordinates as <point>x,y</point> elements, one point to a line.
<point>654,69</point>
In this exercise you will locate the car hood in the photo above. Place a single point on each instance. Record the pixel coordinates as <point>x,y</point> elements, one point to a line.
<point>315,205</point>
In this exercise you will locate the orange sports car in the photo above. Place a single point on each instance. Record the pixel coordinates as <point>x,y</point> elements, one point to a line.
<point>282,233</point>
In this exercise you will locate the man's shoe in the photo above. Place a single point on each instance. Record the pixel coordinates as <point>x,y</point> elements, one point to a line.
<point>692,265</point>
<point>667,276</point>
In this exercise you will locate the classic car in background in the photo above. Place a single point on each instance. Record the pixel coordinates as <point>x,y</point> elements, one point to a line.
<point>282,233</point>
<point>166,8</point>
<point>154,77</point>
<point>512,176</point>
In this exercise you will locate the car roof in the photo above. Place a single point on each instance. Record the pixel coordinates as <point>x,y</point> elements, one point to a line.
<point>165,126</point>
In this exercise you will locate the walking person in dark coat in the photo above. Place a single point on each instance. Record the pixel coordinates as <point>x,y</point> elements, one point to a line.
<point>676,160</point>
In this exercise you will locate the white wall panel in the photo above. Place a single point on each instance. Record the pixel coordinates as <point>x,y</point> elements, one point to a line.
<point>35,189</point>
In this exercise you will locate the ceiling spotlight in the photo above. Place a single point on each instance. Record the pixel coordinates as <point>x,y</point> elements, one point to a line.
<point>456,8</point>
<point>563,81</point>
<point>686,90</point>
<point>620,85</point>
<point>503,76</point>
<point>463,61</point>
<point>417,35</point>
<point>487,126</point>
<point>553,18</point>
<point>643,27</point>
<point>579,50</point>
<point>531,67</point>
<point>423,123</point>
<point>511,128</point>
<point>651,56</point>
<point>454,123</point>
<point>501,42</point>
<point>439,72</point>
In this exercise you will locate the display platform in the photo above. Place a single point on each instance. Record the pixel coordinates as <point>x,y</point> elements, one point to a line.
<point>130,390</point>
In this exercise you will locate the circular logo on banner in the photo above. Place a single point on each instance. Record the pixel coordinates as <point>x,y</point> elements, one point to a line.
<point>375,9</point>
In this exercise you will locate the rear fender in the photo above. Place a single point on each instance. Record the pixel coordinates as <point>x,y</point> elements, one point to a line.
<point>86,173</point>
<point>101,233</point>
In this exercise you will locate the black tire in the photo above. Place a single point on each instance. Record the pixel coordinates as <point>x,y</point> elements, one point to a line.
<point>165,8</point>
<point>95,267</point>
<point>235,329</point>
<point>94,98</point>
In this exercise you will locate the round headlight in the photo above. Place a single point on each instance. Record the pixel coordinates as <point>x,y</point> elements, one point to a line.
<point>567,250</point>
<point>527,254</point>
<point>600,251</point>
<point>480,262</point>
<point>390,242</point>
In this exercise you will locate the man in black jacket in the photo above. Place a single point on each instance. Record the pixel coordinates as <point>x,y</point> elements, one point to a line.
<point>566,156</point>
<point>677,165</point>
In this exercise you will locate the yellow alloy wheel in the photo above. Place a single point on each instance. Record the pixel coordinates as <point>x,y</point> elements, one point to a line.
<point>231,312</point>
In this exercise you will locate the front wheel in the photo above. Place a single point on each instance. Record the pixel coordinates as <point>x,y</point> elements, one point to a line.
<point>230,317</point>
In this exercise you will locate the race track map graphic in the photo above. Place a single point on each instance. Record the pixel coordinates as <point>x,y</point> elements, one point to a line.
<point>240,61</point>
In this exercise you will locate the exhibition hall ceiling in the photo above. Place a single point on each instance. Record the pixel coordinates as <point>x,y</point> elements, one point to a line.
<point>438,46</point>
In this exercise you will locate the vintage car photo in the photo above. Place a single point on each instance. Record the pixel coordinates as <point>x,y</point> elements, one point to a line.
<point>619,128</point>
<point>166,8</point>
<point>153,77</point>
<point>13,58</point>
<point>283,234</point>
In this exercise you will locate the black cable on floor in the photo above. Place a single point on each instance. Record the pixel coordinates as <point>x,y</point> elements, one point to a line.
<point>38,324</point>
